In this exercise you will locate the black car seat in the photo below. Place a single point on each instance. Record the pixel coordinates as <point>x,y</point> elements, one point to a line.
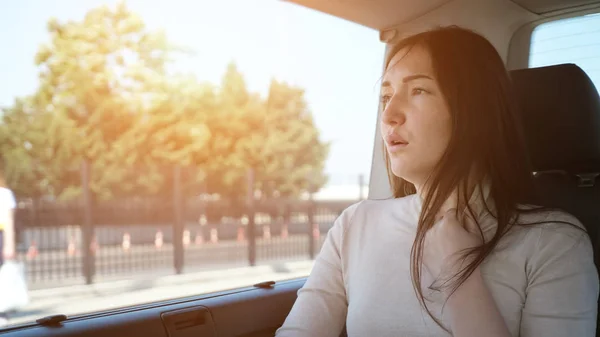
<point>560,110</point>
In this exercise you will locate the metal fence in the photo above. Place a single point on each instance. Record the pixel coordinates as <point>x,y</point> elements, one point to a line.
<point>81,243</point>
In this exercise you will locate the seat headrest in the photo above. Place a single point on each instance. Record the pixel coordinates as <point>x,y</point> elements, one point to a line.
<point>560,110</point>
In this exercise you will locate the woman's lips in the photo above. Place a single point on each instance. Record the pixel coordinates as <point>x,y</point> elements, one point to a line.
<point>396,146</point>
<point>395,142</point>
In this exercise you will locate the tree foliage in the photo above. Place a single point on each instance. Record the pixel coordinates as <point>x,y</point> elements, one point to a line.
<point>105,97</point>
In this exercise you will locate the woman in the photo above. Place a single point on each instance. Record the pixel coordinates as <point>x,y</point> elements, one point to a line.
<point>454,252</point>
<point>7,229</point>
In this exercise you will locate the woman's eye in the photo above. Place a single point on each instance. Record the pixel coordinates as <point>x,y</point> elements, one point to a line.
<point>418,91</point>
<point>385,99</point>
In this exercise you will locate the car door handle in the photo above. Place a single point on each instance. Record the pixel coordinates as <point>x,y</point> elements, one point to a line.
<point>194,321</point>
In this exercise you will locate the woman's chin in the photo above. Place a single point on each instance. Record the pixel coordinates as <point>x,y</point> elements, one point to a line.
<point>404,172</point>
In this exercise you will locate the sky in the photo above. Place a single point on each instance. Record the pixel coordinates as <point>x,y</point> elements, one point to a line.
<point>339,63</point>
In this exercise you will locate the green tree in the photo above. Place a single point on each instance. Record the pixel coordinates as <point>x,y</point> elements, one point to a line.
<point>94,80</point>
<point>32,141</point>
<point>237,114</point>
<point>274,137</point>
<point>172,131</point>
<point>105,97</point>
<point>292,156</point>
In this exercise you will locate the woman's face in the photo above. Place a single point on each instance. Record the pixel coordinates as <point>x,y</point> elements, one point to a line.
<point>416,122</point>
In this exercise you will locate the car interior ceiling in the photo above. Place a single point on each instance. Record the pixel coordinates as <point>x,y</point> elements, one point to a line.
<point>386,14</point>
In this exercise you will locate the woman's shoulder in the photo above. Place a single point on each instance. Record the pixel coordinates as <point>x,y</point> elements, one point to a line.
<point>551,234</point>
<point>551,223</point>
<point>370,206</point>
<point>556,247</point>
<point>373,211</point>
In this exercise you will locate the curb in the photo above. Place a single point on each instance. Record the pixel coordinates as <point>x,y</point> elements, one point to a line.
<point>164,280</point>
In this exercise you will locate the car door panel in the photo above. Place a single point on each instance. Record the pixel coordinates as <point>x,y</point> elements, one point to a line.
<point>249,312</point>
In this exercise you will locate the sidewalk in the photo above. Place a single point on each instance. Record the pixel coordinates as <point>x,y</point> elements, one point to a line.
<point>147,288</point>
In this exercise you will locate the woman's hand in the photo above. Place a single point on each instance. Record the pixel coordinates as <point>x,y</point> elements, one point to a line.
<point>472,310</point>
<point>445,244</point>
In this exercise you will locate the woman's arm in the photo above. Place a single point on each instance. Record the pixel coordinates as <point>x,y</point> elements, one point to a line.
<point>562,290</point>
<point>321,307</point>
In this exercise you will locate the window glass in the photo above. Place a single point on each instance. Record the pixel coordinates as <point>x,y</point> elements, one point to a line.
<point>574,40</point>
<point>159,149</point>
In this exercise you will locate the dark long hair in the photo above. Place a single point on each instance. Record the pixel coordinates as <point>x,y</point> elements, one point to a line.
<point>486,142</point>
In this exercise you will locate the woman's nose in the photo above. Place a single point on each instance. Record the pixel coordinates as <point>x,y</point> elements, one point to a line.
<point>393,115</point>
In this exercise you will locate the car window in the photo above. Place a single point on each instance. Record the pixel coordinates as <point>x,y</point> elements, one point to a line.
<point>574,40</point>
<point>159,150</point>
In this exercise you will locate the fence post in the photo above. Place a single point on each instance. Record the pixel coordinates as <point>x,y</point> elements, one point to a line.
<point>361,184</point>
<point>87,227</point>
<point>203,198</point>
<point>251,222</point>
<point>311,223</point>
<point>178,207</point>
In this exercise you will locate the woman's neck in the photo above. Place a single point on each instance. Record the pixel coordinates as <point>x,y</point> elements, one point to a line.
<point>477,192</point>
